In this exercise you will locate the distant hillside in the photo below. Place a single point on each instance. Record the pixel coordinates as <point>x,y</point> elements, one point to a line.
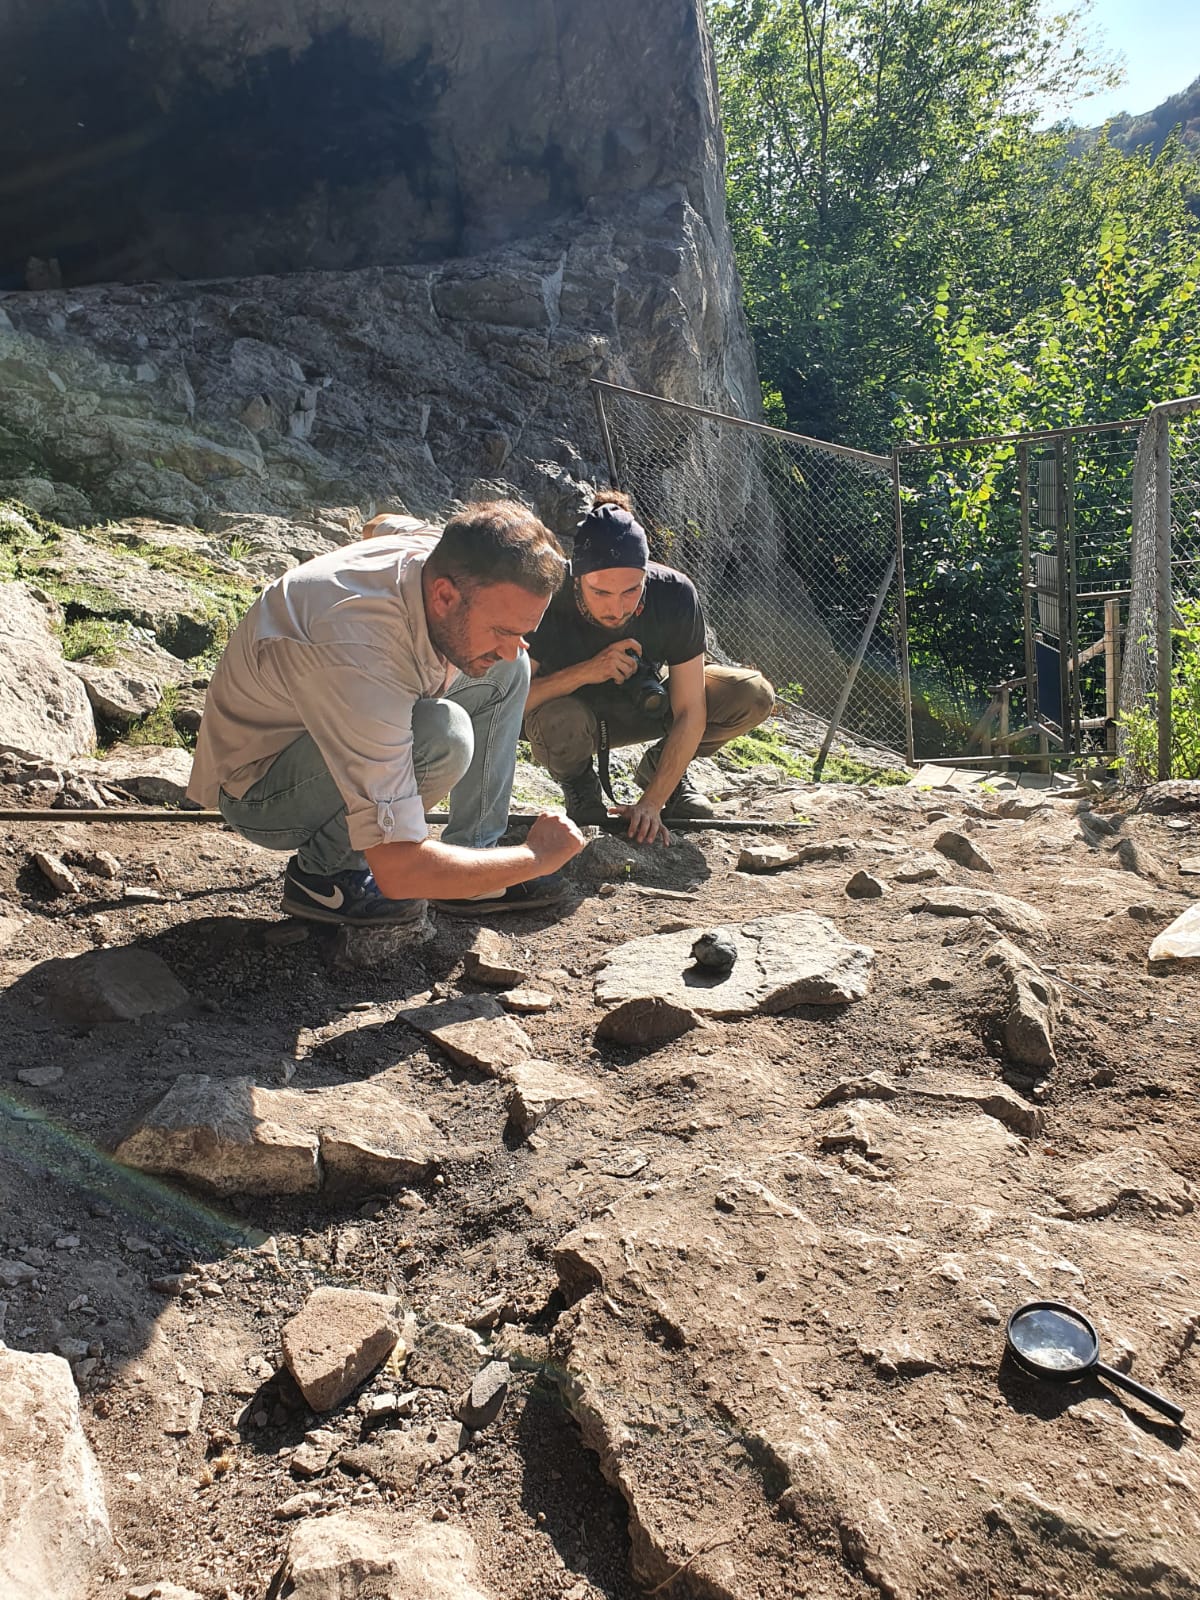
<point>1154,127</point>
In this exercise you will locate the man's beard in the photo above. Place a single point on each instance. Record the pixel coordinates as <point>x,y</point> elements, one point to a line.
<point>615,628</point>
<point>449,639</point>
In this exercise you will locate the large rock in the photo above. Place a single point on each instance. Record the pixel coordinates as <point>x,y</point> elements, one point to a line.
<point>350,1552</point>
<point>1030,1004</point>
<point>118,695</point>
<point>119,985</point>
<point>113,581</point>
<point>45,714</point>
<point>784,961</point>
<point>337,1340</point>
<point>157,774</point>
<point>54,1527</point>
<point>492,260</point>
<point>233,1137</point>
<point>805,1352</point>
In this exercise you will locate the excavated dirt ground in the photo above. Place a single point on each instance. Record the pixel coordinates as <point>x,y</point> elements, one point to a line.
<point>720,1505</point>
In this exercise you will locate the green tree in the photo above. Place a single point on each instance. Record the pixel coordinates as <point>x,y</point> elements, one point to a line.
<point>876,149</point>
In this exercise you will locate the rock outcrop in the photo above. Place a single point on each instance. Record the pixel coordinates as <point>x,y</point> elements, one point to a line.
<point>413,286</point>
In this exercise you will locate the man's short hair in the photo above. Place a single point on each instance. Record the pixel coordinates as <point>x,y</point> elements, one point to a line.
<point>612,497</point>
<point>498,541</point>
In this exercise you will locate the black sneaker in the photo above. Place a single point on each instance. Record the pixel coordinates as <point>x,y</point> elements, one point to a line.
<point>351,898</point>
<point>531,895</point>
<point>585,801</point>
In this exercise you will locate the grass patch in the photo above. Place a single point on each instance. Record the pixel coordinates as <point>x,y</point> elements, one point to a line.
<point>764,747</point>
<point>159,726</point>
<point>95,638</point>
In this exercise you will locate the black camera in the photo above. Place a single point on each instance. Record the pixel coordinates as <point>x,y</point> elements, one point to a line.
<point>648,691</point>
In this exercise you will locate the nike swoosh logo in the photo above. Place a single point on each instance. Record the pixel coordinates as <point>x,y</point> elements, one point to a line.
<point>333,901</point>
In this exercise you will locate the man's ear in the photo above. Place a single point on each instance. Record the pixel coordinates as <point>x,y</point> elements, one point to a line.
<point>443,595</point>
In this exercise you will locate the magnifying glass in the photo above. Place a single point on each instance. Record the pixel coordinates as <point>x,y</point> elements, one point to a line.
<point>1051,1340</point>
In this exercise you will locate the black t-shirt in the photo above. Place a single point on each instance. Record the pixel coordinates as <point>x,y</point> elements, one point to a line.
<point>669,627</point>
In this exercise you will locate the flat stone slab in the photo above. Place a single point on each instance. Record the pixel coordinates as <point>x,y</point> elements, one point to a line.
<point>1002,910</point>
<point>773,1304</point>
<point>784,961</point>
<point>474,1031</point>
<point>337,1340</point>
<point>54,1527</point>
<point>996,1099</point>
<point>234,1137</point>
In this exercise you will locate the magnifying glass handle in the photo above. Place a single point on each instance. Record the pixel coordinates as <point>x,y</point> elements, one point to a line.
<point>1131,1386</point>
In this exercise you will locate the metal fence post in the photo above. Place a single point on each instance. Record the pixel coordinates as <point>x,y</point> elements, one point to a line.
<point>902,613</point>
<point>598,397</point>
<point>1163,593</point>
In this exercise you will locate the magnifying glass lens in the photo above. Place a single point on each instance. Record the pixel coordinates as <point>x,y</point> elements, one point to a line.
<point>1053,1339</point>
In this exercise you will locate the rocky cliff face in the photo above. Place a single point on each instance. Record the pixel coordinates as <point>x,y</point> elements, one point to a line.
<point>420,230</point>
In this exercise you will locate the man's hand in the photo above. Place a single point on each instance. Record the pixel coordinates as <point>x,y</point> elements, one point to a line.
<point>645,822</point>
<point>615,664</point>
<point>554,841</point>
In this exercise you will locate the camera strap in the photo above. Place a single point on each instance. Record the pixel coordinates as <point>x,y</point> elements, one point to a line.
<point>602,749</point>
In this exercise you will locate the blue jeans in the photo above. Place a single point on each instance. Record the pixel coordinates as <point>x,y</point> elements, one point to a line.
<point>464,745</point>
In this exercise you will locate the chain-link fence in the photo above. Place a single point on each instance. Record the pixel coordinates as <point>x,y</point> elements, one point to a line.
<point>790,541</point>
<point>1160,684</point>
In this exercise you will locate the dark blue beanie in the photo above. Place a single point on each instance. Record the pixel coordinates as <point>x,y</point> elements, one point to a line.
<point>608,536</point>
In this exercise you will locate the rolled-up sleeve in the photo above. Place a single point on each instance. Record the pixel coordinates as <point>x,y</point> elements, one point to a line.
<point>356,702</point>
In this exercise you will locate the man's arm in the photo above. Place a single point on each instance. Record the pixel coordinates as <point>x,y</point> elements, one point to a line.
<point>690,713</point>
<point>613,664</point>
<point>430,870</point>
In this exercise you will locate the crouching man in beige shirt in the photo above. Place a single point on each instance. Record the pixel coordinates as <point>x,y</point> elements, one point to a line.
<point>365,686</point>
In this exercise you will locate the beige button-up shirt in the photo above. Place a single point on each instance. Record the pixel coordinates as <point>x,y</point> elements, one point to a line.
<point>337,648</point>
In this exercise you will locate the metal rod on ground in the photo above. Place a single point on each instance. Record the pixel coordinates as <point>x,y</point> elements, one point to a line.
<point>859,654</point>
<point>714,824</point>
<point>902,614</point>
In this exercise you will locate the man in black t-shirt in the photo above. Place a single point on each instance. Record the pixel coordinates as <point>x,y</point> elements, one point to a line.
<point>598,659</point>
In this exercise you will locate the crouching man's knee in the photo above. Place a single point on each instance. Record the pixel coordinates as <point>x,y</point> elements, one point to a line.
<point>562,735</point>
<point>738,699</point>
<point>443,745</point>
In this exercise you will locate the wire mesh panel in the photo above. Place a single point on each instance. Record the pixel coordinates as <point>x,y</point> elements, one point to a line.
<point>1160,683</point>
<point>789,540</point>
<point>1016,560</point>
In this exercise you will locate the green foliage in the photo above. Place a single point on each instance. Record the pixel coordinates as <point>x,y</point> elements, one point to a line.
<point>159,726</point>
<point>1140,727</point>
<point>920,261</point>
<point>885,174</point>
